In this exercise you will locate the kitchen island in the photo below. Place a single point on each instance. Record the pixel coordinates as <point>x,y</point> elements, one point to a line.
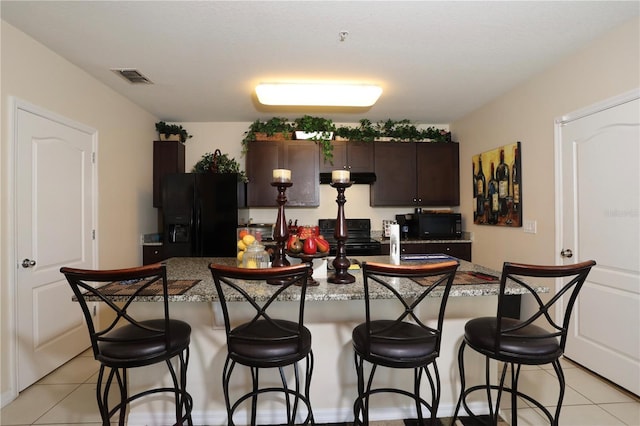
<point>331,312</point>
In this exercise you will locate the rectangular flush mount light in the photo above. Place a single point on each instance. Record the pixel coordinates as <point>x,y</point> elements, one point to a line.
<point>318,94</point>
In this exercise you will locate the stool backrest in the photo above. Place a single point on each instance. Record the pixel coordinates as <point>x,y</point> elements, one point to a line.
<point>251,286</point>
<point>517,274</point>
<point>89,286</point>
<point>440,279</point>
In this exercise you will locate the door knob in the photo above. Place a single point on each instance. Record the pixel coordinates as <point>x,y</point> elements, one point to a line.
<point>28,263</point>
<point>566,253</point>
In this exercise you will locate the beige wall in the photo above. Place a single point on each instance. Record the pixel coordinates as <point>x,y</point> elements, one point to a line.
<point>36,75</point>
<point>608,67</point>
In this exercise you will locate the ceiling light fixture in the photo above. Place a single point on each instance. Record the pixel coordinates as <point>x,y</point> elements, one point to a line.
<point>318,94</point>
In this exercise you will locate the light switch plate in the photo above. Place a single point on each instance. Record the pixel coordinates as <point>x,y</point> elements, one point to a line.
<point>530,226</point>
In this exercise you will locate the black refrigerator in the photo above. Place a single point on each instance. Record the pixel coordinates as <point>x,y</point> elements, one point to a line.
<point>200,214</point>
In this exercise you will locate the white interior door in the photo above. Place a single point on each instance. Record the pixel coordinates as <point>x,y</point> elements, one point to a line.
<point>599,218</point>
<point>54,224</point>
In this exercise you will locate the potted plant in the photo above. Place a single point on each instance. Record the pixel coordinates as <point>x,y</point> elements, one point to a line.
<point>276,128</point>
<point>365,132</point>
<point>317,129</point>
<point>219,163</point>
<point>172,132</point>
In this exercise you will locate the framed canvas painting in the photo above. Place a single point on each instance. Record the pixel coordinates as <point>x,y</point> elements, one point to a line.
<point>497,186</point>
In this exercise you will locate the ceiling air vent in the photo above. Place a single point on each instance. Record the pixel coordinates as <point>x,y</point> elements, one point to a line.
<point>132,76</point>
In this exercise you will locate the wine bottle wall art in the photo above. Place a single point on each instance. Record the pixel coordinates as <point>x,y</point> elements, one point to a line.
<point>497,184</point>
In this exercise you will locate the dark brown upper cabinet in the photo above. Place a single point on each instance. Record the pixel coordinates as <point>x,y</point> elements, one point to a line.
<point>301,157</point>
<point>416,174</point>
<point>357,157</point>
<point>168,157</point>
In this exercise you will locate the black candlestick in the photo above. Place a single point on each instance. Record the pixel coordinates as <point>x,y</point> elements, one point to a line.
<point>281,231</point>
<point>341,233</point>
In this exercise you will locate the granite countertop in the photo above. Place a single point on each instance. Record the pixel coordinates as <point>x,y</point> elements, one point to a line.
<point>196,268</point>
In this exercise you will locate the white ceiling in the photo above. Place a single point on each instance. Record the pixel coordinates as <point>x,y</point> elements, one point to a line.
<point>436,60</point>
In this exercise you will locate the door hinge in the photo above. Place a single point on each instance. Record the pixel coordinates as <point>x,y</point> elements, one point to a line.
<point>93,234</point>
<point>93,157</point>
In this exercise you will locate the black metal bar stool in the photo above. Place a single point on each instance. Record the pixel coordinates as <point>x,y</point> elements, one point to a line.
<point>535,340</point>
<point>127,342</point>
<point>265,341</point>
<point>404,341</point>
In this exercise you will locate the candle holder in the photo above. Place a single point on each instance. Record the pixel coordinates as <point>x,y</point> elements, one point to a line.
<point>341,233</point>
<point>281,230</point>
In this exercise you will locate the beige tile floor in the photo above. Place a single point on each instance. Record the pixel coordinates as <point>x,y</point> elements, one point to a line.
<point>67,397</point>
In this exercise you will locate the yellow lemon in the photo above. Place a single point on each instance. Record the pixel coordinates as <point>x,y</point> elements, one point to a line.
<point>251,264</point>
<point>242,245</point>
<point>240,254</point>
<point>248,239</point>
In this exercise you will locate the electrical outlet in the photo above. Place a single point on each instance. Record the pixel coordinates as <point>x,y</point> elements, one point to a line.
<point>530,226</point>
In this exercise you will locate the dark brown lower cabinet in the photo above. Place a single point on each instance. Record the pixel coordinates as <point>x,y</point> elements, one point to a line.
<point>152,254</point>
<point>460,250</point>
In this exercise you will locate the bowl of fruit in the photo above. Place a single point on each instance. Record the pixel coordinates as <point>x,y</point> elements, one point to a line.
<point>307,242</point>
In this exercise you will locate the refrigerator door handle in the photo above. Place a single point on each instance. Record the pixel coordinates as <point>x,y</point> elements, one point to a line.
<point>198,230</point>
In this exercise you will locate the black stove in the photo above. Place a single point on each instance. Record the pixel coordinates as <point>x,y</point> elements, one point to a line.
<point>359,242</point>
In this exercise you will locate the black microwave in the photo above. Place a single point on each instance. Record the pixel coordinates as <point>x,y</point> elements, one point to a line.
<point>437,226</point>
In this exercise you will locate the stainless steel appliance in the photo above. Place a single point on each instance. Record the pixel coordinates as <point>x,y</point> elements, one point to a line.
<point>359,242</point>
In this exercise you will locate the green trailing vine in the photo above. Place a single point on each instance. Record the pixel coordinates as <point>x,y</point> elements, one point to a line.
<point>367,131</point>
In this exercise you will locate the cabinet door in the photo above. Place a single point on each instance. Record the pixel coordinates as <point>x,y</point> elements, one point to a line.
<point>339,158</point>
<point>395,168</point>
<point>438,174</point>
<point>357,157</point>
<point>413,248</point>
<point>360,157</point>
<point>168,158</point>
<point>152,254</point>
<point>459,250</point>
<point>261,159</point>
<point>303,159</point>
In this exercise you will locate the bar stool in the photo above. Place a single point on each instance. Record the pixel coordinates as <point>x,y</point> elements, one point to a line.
<point>404,341</point>
<point>517,342</point>
<point>126,342</point>
<point>265,341</point>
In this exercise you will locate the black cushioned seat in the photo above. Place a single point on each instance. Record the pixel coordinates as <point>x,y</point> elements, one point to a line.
<point>127,342</point>
<point>404,341</point>
<point>535,340</point>
<point>260,340</point>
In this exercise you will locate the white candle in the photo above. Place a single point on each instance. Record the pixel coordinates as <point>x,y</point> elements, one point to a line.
<point>340,176</point>
<point>281,175</point>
